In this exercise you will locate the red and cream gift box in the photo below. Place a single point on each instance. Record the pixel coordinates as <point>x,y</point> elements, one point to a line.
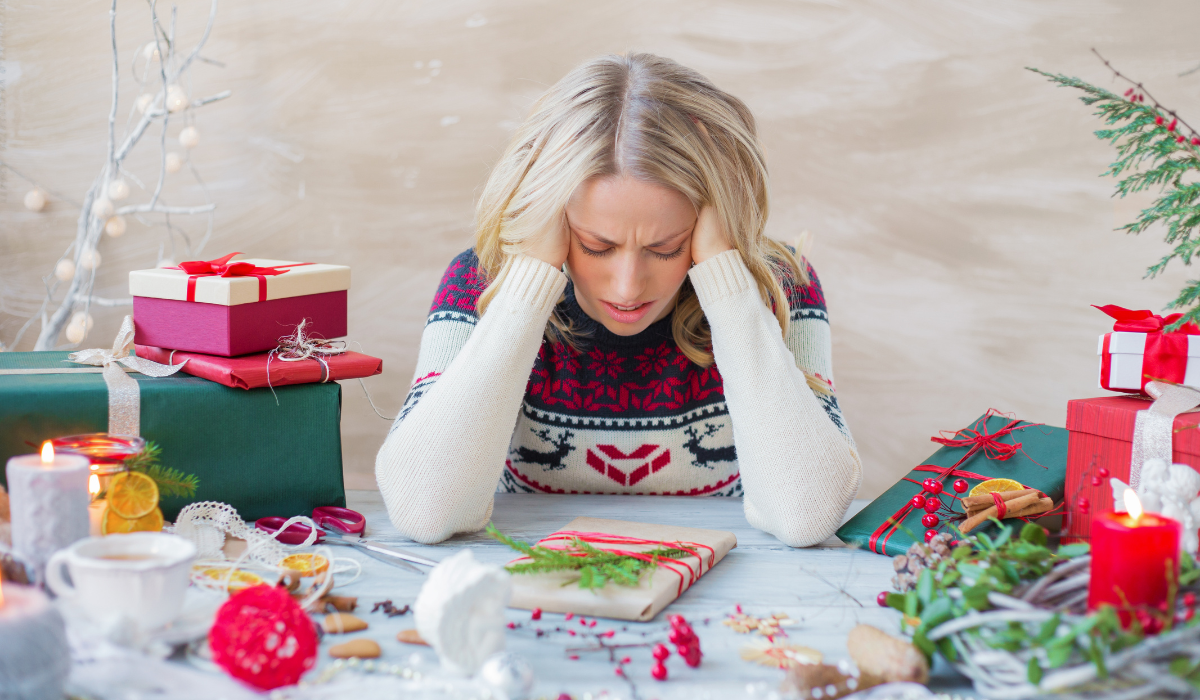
<point>1100,447</point>
<point>225,308</point>
<point>1138,351</point>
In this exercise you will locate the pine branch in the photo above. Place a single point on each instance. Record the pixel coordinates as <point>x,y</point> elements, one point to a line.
<point>171,482</point>
<point>596,566</point>
<point>1156,148</point>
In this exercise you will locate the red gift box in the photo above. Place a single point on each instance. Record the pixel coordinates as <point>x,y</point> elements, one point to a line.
<point>1101,437</point>
<point>218,307</point>
<point>250,371</point>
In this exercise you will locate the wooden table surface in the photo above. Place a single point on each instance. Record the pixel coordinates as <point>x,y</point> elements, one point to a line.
<point>827,589</point>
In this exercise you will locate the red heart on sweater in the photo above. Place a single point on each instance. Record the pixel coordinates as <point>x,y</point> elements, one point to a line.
<point>631,476</point>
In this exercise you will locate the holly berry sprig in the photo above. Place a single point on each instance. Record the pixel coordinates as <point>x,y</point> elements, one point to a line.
<point>930,501</point>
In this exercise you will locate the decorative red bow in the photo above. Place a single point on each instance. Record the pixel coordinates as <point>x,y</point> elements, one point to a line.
<point>1145,321</point>
<point>221,267</point>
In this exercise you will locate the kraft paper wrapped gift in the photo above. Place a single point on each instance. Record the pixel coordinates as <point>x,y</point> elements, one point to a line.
<point>885,525</point>
<point>218,307</point>
<point>558,592</point>
<point>261,457</point>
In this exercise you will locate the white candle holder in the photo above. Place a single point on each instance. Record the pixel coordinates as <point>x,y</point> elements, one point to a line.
<point>49,503</point>
<point>34,658</point>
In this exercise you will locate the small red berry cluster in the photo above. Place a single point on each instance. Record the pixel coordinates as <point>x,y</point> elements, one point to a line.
<point>929,501</point>
<point>1154,621</point>
<point>1082,504</point>
<point>687,645</point>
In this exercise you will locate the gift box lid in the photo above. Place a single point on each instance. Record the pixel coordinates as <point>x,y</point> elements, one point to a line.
<point>298,280</point>
<point>1113,417</point>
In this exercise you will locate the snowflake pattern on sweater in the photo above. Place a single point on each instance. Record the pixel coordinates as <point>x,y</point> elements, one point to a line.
<point>621,414</point>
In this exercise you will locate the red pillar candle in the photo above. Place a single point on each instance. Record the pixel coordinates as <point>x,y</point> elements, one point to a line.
<point>1130,555</point>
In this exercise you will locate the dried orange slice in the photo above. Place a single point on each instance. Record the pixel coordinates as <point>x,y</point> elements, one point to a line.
<point>132,495</point>
<point>995,485</point>
<point>306,564</point>
<point>113,524</point>
<point>238,580</point>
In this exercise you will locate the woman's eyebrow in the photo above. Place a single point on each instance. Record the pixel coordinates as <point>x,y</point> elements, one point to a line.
<point>657,244</point>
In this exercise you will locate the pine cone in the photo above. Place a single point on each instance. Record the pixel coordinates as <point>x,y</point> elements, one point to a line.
<point>920,556</point>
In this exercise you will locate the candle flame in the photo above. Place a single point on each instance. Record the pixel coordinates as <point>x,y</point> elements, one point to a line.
<point>1133,504</point>
<point>47,453</point>
<point>94,485</point>
<point>1,595</point>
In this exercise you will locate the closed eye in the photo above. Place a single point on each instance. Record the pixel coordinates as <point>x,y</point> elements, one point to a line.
<point>669,256</point>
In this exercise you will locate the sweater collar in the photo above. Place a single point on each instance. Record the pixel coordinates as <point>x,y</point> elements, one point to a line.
<point>592,332</point>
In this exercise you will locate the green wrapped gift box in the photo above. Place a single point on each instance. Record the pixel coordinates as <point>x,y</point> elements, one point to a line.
<point>1039,463</point>
<point>261,456</point>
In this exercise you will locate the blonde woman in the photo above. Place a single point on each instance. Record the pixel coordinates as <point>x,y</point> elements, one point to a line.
<point>623,325</point>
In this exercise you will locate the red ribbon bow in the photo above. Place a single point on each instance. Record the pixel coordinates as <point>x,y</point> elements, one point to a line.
<point>1145,321</point>
<point>978,440</point>
<point>221,267</point>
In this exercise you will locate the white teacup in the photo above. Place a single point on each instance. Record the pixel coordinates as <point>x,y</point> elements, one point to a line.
<point>142,576</point>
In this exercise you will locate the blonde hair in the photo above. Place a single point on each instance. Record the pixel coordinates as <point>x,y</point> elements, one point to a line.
<point>653,119</point>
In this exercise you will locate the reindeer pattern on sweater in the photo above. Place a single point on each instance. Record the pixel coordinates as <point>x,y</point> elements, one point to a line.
<point>618,414</point>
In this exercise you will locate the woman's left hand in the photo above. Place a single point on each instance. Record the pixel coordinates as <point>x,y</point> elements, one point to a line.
<point>708,237</point>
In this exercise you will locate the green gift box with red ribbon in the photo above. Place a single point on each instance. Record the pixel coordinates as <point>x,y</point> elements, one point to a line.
<point>994,446</point>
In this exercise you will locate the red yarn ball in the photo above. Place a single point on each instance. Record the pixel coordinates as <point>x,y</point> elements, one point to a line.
<point>262,637</point>
<point>917,502</point>
<point>932,504</point>
<point>930,520</point>
<point>961,486</point>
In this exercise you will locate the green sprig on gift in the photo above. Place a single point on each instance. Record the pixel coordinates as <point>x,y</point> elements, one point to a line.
<point>961,584</point>
<point>596,567</point>
<point>171,482</point>
<point>1155,148</point>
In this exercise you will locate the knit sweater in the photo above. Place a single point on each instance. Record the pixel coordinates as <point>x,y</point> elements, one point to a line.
<point>494,406</point>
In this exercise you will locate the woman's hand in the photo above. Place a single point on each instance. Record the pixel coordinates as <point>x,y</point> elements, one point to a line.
<point>708,237</point>
<point>552,245</point>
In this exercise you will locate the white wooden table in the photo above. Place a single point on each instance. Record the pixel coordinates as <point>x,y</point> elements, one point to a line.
<point>827,589</point>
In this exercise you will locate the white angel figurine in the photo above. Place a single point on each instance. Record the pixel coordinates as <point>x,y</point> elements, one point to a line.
<point>1170,491</point>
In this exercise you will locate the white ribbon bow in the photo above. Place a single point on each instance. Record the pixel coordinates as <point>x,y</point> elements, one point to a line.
<point>124,398</point>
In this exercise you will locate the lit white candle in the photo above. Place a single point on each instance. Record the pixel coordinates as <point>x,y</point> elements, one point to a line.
<point>48,496</point>
<point>97,506</point>
<point>34,658</point>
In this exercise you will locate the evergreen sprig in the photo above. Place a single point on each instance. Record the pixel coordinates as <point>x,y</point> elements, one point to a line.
<point>596,566</point>
<point>1152,152</point>
<point>171,482</point>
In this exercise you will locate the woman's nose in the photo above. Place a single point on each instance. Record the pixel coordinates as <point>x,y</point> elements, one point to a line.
<point>628,279</point>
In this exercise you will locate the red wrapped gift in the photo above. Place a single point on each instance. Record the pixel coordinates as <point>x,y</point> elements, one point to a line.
<point>219,307</point>
<point>1106,441</point>
<point>1138,351</point>
<point>251,371</point>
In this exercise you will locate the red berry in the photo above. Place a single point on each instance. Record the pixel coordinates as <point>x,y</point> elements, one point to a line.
<point>961,485</point>
<point>1129,92</point>
<point>626,660</point>
<point>1171,126</point>
<point>608,633</point>
<point>571,632</point>
<point>930,520</point>
<point>1180,139</point>
<point>1096,481</point>
<point>935,487</point>
<point>661,652</point>
<point>568,616</point>
<point>583,621</point>
<point>564,696</point>
<point>675,637</point>
<point>619,671</point>
<point>882,599</point>
<point>1196,140</point>
<point>917,502</point>
<point>573,657</point>
<point>925,485</point>
<point>536,614</point>
<point>692,658</point>
<point>1159,120</point>
<point>1189,599</point>
<point>930,534</point>
<point>682,649</point>
<point>1189,614</point>
<point>592,623</point>
<point>1102,472</point>
<point>512,625</point>
<point>658,672</point>
<point>932,504</point>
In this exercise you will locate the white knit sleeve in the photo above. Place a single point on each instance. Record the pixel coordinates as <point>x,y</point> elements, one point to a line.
<point>438,468</point>
<point>799,472</point>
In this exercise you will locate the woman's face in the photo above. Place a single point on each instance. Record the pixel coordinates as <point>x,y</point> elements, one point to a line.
<point>630,250</point>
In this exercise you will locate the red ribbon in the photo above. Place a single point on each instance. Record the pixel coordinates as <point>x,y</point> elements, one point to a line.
<point>668,563</point>
<point>977,439</point>
<point>1001,506</point>
<point>1166,354</point>
<point>221,267</point>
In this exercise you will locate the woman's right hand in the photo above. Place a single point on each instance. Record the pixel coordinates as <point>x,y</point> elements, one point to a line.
<point>552,245</point>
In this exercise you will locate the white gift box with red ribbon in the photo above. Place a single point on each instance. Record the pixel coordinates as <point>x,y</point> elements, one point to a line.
<point>1139,351</point>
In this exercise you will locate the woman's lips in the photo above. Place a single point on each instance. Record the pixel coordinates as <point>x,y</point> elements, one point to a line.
<point>627,314</point>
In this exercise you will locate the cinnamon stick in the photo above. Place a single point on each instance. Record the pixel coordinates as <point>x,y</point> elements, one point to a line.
<point>986,500</point>
<point>1014,507</point>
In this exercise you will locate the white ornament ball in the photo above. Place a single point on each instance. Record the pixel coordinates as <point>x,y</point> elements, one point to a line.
<point>143,102</point>
<point>90,259</point>
<point>84,320</point>
<point>510,676</point>
<point>118,189</point>
<point>35,200</point>
<point>65,270</point>
<point>173,162</point>
<point>115,226</point>
<point>75,333</point>
<point>189,137</point>
<point>177,99</point>
<point>102,208</point>
<point>150,53</point>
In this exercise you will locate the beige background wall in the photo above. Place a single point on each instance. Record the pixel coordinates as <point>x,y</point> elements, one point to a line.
<point>961,230</point>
